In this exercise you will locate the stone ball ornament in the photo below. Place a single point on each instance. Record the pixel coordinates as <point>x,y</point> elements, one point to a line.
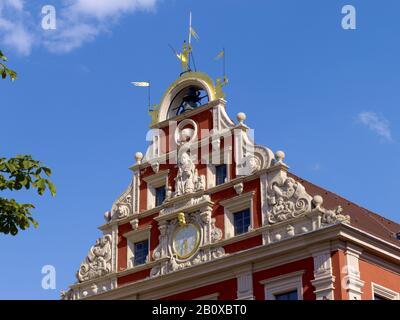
<point>107,216</point>
<point>139,157</point>
<point>241,117</point>
<point>318,200</point>
<point>279,156</point>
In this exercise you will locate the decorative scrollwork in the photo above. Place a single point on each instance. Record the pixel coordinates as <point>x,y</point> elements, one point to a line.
<point>98,260</point>
<point>123,207</point>
<point>334,216</point>
<point>288,200</point>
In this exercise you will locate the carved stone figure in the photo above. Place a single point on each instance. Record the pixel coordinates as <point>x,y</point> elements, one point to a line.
<point>66,295</point>
<point>288,200</point>
<point>98,260</point>
<point>187,180</point>
<point>201,182</point>
<point>216,233</point>
<point>334,216</point>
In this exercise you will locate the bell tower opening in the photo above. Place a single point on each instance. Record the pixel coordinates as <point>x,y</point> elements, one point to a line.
<point>189,98</point>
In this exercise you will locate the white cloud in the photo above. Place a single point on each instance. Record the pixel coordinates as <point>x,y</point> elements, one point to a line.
<point>15,4</point>
<point>68,39</point>
<point>78,22</point>
<point>14,22</point>
<point>376,123</point>
<point>106,8</point>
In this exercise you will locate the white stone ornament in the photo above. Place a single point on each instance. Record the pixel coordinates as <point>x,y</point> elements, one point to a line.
<point>98,260</point>
<point>138,157</point>
<point>123,207</point>
<point>155,166</point>
<point>107,216</point>
<point>279,157</point>
<point>239,188</point>
<point>187,179</point>
<point>241,117</point>
<point>330,216</point>
<point>288,199</point>
<point>134,223</point>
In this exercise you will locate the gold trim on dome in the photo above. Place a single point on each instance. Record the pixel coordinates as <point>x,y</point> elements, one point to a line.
<point>214,91</point>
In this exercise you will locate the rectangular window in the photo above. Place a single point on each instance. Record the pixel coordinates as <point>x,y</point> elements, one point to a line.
<point>141,252</point>
<point>160,195</point>
<point>220,174</point>
<point>292,295</point>
<point>241,221</point>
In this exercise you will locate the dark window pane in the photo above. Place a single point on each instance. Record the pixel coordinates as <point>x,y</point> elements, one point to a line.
<point>378,297</point>
<point>220,174</point>
<point>241,221</point>
<point>292,295</point>
<point>141,252</point>
<point>160,196</point>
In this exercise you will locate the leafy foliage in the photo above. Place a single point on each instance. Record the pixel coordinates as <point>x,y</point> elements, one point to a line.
<point>4,71</point>
<point>21,172</point>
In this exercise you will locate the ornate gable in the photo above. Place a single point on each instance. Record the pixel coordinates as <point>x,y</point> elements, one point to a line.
<point>194,221</point>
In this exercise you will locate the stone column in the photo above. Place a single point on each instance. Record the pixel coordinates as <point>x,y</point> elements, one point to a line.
<point>324,279</point>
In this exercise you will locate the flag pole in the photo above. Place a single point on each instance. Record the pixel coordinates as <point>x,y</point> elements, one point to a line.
<point>223,63</point>
<point>148,92</point>
<point>190,27</point>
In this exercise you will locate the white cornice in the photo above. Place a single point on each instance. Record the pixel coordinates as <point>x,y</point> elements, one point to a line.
<point>158,178</point>
<point>262,257</point>
<point>137,233</point>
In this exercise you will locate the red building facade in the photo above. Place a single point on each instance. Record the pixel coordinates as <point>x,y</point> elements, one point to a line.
<point>209,214</point>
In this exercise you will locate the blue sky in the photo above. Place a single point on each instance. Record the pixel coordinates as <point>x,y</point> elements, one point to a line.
<point>327,96</point>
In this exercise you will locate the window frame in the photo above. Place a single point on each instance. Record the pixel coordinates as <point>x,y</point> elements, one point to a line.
<point>241,202</point>
<point>242,212</point>
<point>385,293</point>
<point>287,293</point>
<point>216,174</point>
<point>154,181</point>
<point>133,237</point>
<point>163,187</point>
<point>134,252</point>
<point>283,284</point>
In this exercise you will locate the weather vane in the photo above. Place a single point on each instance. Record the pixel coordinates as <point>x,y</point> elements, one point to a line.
<point>186,53</point>
<point>153,109</point>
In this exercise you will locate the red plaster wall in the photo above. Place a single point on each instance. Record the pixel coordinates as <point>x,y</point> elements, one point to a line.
<point>244,244</point>
<point>226,289</point>
<point>338,263</point>
<point>143,195</point>
<point>373,273</point>
<point>133,277</point>
<point>218,210</point>
<point>122,246</point>
<point>305,264</point>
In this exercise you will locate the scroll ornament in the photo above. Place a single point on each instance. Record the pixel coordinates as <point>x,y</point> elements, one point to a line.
<point>98,260</point>
<point>288,200</point>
